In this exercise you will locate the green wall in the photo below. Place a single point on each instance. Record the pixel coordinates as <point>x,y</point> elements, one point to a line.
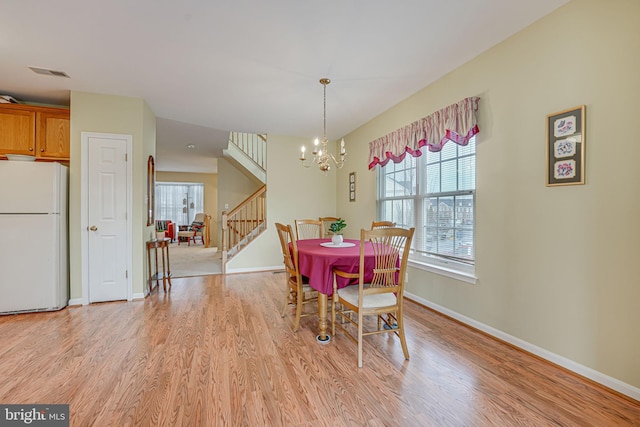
<point>233,188</point>
<point>553,263</point>
<point>119,115</point>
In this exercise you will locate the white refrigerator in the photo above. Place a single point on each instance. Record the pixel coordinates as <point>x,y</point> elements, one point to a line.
<point>34,260</point>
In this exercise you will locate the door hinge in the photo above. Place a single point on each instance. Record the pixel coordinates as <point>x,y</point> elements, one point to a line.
<point>126,274</point>
<point>126,157</point>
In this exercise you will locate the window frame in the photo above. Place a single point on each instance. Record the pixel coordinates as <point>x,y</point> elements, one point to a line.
<point>439,264</point>
<point>188,189</point>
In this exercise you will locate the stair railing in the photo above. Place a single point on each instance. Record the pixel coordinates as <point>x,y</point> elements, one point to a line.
<point>253,145</point>
<point>243,224</point>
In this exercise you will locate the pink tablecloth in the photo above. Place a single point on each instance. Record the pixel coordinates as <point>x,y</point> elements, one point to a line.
<point>317,262</point>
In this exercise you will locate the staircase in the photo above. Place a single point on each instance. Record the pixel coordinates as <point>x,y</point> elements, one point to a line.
<point>248,153</point>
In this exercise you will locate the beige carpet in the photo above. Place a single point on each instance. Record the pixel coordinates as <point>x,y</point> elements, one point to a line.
<point>194,260</point>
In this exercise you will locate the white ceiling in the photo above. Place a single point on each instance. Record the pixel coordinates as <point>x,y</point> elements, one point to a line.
<point>206,67</point>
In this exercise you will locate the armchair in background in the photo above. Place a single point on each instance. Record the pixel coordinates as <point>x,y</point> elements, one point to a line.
<point>198,228</point>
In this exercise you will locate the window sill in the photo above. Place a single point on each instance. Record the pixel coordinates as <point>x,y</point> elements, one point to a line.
<point>452,270</point>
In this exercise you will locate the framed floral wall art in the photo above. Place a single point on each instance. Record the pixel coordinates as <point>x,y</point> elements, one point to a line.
<point>566,142</point>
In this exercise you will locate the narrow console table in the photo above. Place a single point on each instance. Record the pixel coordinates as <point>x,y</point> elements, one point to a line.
<point>165,274</point>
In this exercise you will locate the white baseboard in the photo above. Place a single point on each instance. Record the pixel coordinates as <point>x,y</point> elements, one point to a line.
<point>556,359</point>
<point>254,269</point>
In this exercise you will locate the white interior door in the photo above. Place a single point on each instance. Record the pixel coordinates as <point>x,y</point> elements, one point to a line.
<point>107,217</point>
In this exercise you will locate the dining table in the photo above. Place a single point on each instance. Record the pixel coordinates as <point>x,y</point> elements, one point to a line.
<point>316,260</point>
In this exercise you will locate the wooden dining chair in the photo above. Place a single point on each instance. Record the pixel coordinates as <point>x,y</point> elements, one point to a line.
<point>326,223</point>
<point>382,224</point>
<point>309,229</point>
<point>382,295</point>
<point>299,293</point>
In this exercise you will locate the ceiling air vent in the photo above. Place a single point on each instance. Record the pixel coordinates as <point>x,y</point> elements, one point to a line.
<point>48,72</point>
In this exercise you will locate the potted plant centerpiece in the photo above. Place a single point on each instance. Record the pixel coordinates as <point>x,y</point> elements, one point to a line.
<point>336,229</point>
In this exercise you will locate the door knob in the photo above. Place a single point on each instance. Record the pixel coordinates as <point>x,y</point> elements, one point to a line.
<point>93,228</point>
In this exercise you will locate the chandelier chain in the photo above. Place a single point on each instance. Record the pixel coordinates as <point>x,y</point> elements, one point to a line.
<point>324,115</point>
<point>321,155</point>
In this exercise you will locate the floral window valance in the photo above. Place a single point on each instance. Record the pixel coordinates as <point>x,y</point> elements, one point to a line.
<point>457,122</point>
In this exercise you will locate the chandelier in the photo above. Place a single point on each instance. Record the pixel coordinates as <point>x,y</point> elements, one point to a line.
<point>321,155</point>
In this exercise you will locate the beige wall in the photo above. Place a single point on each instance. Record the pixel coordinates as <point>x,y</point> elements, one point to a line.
<point>553,263</point>
<point>119,115</point>
<point>210,181</point>
<point>233,188</point>
<point>292,192</point>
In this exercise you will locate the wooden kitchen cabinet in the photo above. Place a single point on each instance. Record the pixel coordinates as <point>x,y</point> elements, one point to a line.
<point>17,131</point>
<point>44,132</point>
<point>53,132</point>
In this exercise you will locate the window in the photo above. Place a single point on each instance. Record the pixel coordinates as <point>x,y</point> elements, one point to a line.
<point>179,201</point>
<point>435,193</point>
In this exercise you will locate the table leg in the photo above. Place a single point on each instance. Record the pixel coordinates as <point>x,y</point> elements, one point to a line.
<point>164,271</point>
<point>168,267</point>
<point>150,283</point>
<point>157,273</point>
<point>323,299</point>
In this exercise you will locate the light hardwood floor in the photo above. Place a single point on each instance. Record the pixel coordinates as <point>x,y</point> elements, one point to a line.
<point>215,352</point>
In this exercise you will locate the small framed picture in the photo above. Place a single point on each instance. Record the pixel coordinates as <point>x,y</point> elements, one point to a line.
<point>566,139</point>
<point>352,187</point>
